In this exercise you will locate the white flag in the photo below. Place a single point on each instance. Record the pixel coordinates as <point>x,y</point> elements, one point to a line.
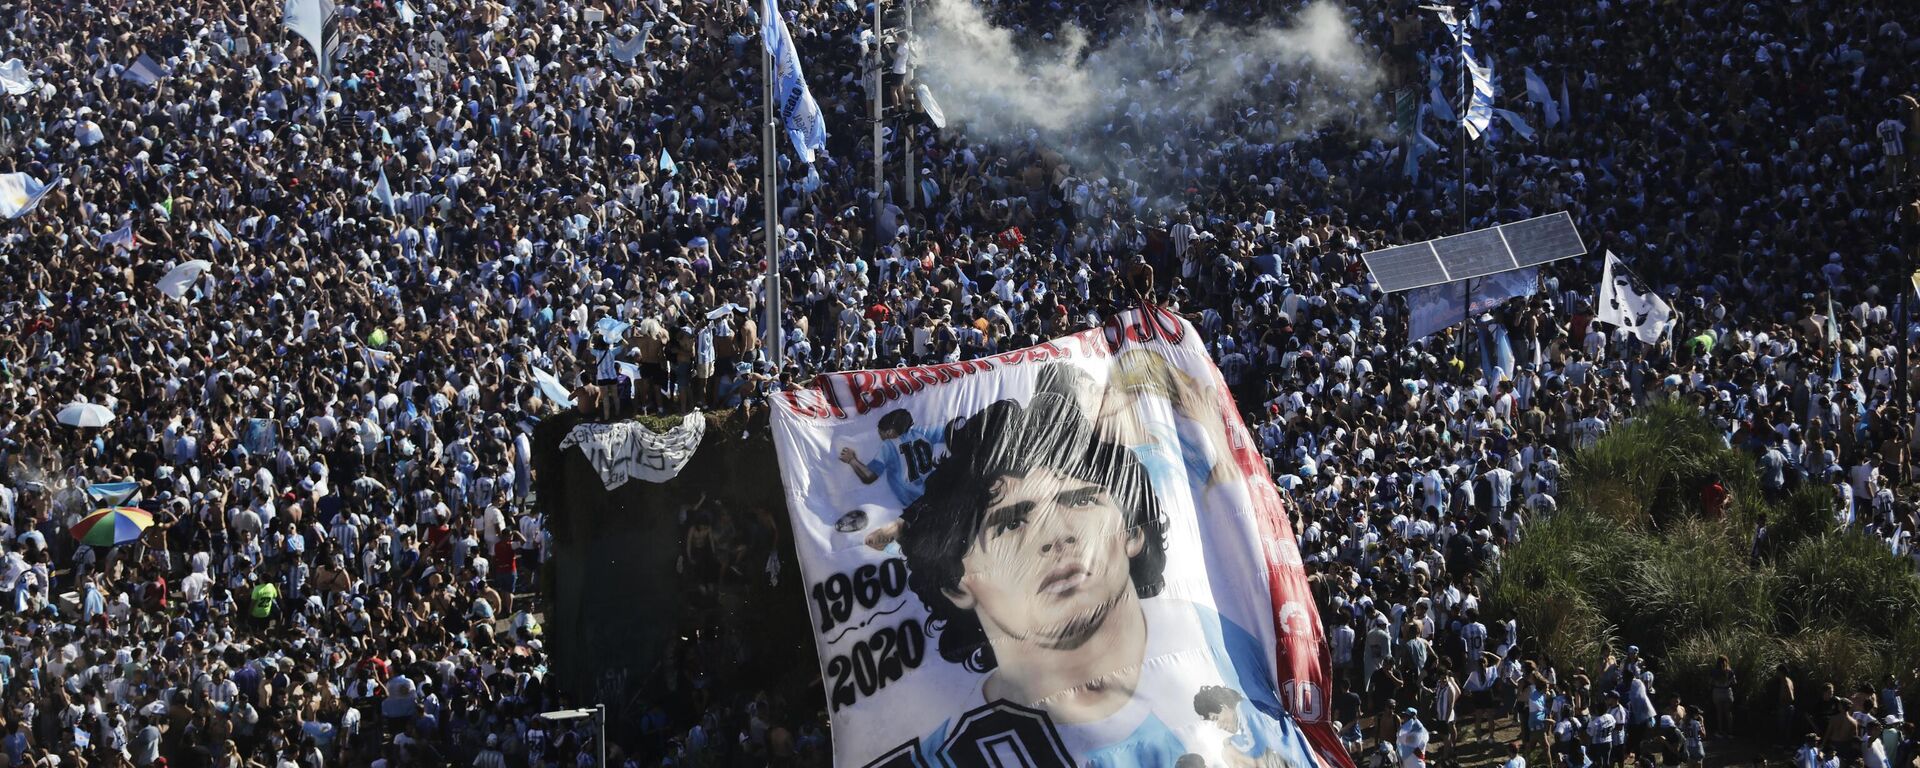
<point>1627,302</point>
<point>15,78</point>
<point>19,193</point>
<point>625,51</point>
<point>144,71</point>
<point>177,281</point>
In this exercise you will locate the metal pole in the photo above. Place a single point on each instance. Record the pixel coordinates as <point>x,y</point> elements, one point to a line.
<point>879,109</point>
<point>770,199</point>
<point>600,714</point>
<point>911,178</point>
<point>1466,104</point>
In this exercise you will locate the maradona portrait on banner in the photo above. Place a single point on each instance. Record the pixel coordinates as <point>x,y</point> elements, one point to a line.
<point>1039,550</point>
<point>1079,578</point>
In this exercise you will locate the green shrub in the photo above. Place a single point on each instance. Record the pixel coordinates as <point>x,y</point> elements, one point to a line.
<point>1629,558</point>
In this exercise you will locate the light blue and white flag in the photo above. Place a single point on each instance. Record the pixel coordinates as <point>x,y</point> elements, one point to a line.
<point>1538,94</point>
<point>1418,146</point>
<point>121,238</point>
<point>611,329</point>
<point>523,89</point>
<point>118,494</point>
<point>1480,105</point>
<point>1438,103</point>
<point>798,111</point>
<point>1566,104</point>
<point>1442,108</point>
<point>1458,30</point>
<point>383,191</point>
<point>19,193</point>
<point>144,71</point>
<point>667,165</point>
<point>1517,123</point>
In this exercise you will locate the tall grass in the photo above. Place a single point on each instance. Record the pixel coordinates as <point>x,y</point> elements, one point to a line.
<point>1851,581</point>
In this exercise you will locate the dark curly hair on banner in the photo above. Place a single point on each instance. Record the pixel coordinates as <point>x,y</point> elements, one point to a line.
<point>1008,440</point>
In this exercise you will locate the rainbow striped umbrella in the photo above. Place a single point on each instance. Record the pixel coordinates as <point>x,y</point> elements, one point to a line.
<point>112,525</point>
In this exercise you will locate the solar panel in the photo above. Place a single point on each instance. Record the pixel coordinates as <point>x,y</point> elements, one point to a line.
<point>1475,254</point>
<point>1404,267</point>
<point>1543,238</point>
<point>1478,253</point>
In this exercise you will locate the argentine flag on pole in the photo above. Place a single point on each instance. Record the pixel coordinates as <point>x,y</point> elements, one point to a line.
<point>798,111</point>
<point>666,163</point>
<point>19,193</point>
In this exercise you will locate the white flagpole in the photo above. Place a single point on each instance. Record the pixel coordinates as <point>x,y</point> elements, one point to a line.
<point>910,178</point>
<point>770,198</point>
<point>879,111</point>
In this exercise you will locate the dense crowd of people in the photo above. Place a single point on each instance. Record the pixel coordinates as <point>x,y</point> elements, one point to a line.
<point>330,426</point>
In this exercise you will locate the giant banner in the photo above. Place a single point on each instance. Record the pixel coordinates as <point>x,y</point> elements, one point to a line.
<point>1067,555</point>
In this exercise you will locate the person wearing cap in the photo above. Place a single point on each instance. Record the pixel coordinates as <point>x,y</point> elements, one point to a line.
<point>1617,720</point>
<point>490,756</point>
<point>1411,739</point>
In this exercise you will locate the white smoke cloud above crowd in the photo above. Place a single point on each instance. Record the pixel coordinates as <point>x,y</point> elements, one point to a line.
<point>1167,75</point>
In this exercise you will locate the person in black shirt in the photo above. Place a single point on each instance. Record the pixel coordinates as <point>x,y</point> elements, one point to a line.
<point>1346,712</point>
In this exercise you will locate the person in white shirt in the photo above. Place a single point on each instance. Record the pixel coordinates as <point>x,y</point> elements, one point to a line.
<point>1514,759</point>
<point>1446,697</point>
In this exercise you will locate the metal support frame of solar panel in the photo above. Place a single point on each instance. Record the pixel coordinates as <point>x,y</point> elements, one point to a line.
<point>1478,253</point>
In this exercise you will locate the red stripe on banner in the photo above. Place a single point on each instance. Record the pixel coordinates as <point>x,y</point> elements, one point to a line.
<point>1302,660</point>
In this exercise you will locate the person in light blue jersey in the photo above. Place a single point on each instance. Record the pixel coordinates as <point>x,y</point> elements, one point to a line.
<point>908,455</point>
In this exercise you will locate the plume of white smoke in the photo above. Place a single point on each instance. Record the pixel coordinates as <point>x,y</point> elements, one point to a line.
<point>1162,83</point>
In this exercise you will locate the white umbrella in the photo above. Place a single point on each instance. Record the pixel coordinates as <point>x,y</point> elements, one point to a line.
<point>552,388</point>
<point>85,415</point>
<point>180,278</point>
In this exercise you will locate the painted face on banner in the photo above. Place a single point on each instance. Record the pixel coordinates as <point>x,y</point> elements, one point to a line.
<point>1049,561</point>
